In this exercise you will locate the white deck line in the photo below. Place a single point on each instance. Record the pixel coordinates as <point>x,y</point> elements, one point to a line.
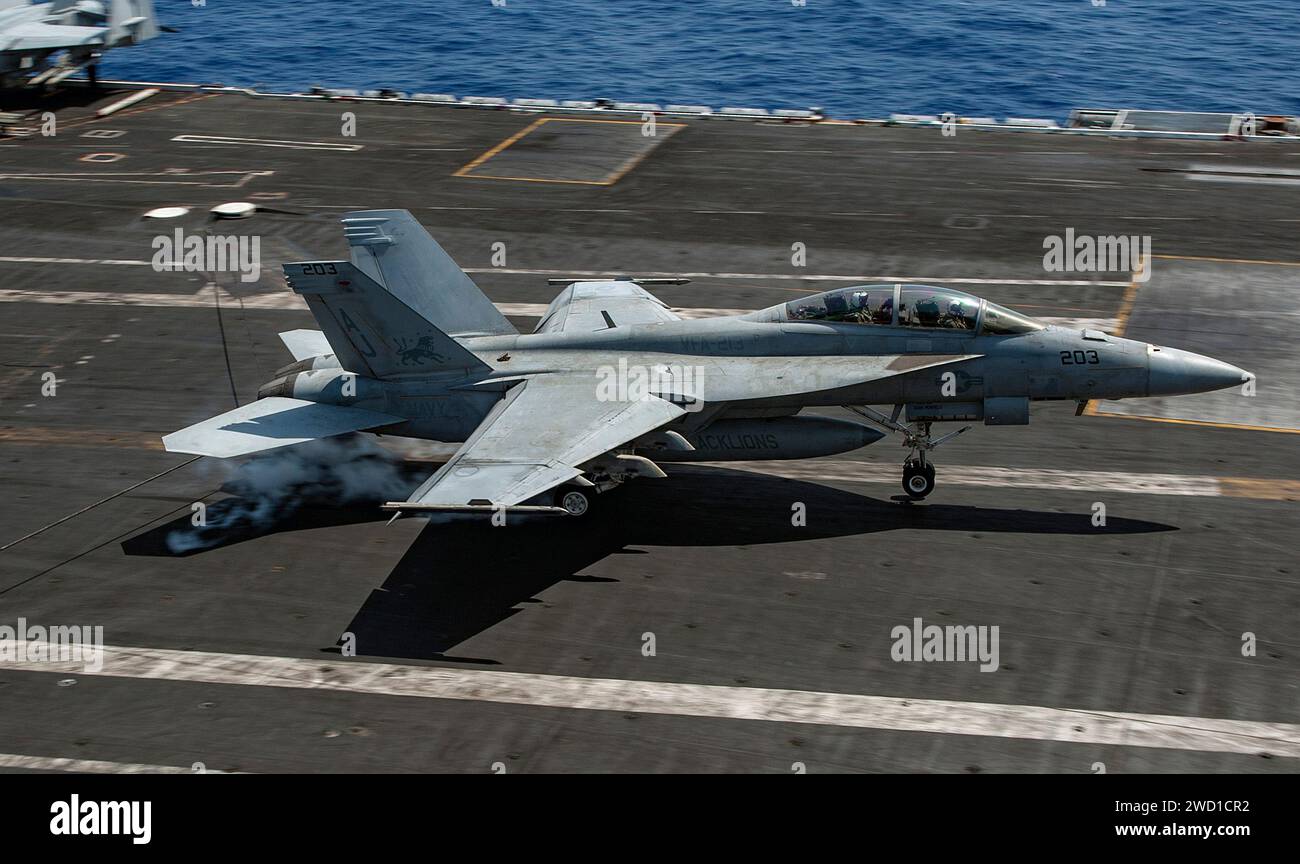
<point>1029,722</point>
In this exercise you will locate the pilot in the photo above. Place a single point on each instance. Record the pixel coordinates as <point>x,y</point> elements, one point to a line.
<point>884,314</point>
<point>808,310</point>
<point>958,318</point>
<point>927,311</point>
<point>859,308</point>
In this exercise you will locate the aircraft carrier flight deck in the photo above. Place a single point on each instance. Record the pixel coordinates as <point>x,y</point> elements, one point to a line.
<point>687,625</point>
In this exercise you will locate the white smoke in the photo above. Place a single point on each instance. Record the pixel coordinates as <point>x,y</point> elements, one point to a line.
<point>270,487</point>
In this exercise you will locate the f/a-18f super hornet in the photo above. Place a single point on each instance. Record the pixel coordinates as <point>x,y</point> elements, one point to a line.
<point>31,33</point>
<point>611,382</point>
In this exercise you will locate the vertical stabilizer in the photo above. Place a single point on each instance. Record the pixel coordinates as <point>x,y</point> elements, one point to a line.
<point>372,331</point>
<point>393,249</point>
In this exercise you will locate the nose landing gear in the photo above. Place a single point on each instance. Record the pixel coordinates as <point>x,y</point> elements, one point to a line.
<point>918,477</point>
<point>918,471</point>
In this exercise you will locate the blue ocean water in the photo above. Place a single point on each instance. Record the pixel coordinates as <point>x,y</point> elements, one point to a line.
<point>853,58</point>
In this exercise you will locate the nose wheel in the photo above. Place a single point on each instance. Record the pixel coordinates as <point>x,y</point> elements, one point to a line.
<point>918,478</point>
<point>918,471</point>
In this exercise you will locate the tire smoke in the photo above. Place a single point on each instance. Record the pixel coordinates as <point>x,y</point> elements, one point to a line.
<point>269,488</point>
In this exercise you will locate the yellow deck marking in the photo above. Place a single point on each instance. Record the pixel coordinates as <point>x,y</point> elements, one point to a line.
<point>609,180</point>
<point>1260,490</point>
<point>479,160</point>
<point>1229,260</point>
<point>1121,321</point>
<point>1130,295</point>
<point>1211,423</point>
<point>1126,308</point>
<point>81,437</point>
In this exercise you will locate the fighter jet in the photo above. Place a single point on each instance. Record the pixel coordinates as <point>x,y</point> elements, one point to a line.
<point>611,383</point>
<point>31,34</point>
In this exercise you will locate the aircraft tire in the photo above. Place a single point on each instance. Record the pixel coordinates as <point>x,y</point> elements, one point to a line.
<point>575,501</point>
<point>918,479</point>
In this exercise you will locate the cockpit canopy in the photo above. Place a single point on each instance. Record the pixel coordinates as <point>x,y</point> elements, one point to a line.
<point>911,306</point>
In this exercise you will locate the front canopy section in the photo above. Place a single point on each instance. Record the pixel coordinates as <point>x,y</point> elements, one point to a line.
<point>1000,321</point>
<point>937,308</point>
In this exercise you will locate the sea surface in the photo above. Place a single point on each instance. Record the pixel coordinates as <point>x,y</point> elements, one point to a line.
<point>852,58</point>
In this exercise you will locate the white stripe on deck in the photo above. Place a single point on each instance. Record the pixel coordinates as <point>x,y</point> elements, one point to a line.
<point>204,298</point>
<point>1029,722</point>
<point>604,274</point>
<point>90,766</point>
<point>268,142</point>
<point>289,300</point>
<point>802,277</point>
<point>23,259</point>
<point>850,471</point>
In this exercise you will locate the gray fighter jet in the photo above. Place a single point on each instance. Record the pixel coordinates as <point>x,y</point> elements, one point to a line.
<point>611,382</point>
<point>31,34</point>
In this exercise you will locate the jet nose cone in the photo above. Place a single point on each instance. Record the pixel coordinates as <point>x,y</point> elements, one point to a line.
<point>1173,372</point>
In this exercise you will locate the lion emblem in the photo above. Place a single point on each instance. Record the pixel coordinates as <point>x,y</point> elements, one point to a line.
<point>415,352</point>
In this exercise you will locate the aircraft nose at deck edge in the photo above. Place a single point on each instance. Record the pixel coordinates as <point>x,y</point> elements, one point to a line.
<point>1171,372</point>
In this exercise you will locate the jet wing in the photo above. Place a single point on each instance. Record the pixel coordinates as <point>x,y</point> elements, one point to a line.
<point>534,439</point>
<point>269,423</point>
<point>43,37</point>
<point>587,306</point>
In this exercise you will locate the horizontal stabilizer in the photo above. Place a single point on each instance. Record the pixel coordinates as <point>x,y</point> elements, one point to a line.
<point>306,344</point>
<point>270,423</point>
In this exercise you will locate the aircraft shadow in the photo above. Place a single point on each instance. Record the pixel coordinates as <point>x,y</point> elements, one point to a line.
<point>462,576</point>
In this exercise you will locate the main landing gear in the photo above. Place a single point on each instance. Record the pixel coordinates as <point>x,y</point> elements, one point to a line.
<point>918,470</point>
<point>576,502</point>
